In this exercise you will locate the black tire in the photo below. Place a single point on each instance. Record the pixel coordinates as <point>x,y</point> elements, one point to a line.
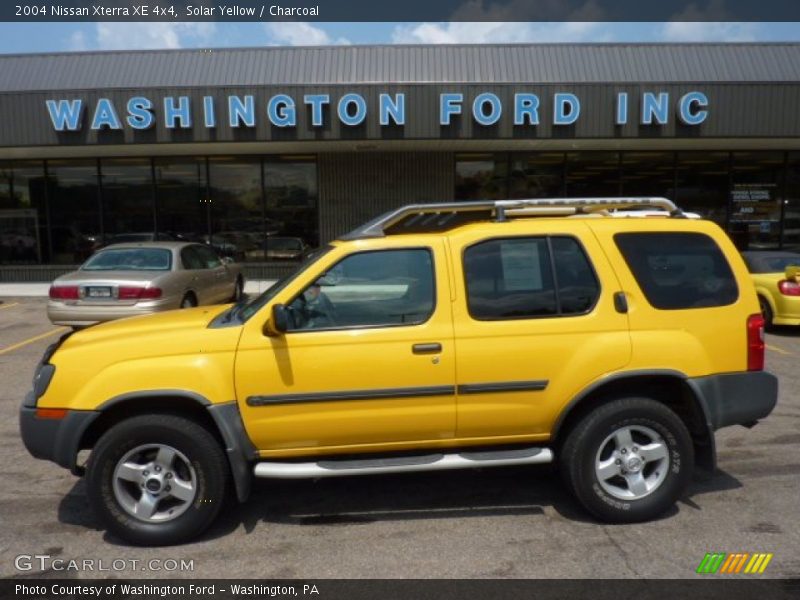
<point>189,301</point>
<point>238,290</point>
<point>581,451</point>
<point>766,312</point>
<point>203,452</point>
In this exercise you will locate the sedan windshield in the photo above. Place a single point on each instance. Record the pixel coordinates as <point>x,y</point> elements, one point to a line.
<point>130,259</point>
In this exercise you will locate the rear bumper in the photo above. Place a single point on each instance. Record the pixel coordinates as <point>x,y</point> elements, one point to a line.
<point>736,398</point>
<point>56,440</point>
<point>60,313</point>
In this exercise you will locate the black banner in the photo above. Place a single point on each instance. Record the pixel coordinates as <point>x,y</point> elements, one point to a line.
<point>716,588</point>
<point>392,11</point>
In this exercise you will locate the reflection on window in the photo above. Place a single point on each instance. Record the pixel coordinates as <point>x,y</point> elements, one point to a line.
<point>756,199</point>
<point>23,224</point>
<point>791,219</point>
<point>369,289</point>
<point>539,175</point>
<point>703,185</point>
<point>184,207</point>
<point>592,174</point>
<point>74,210</point>
<point>481,176</point>
<point>237,213</point>
<point>128,201</point>
<point>648,174</point>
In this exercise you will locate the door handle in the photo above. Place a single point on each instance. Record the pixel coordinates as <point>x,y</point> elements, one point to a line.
<point>431,348</point>
<point>621,302</point>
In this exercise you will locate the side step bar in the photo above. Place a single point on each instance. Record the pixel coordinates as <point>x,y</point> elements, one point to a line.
<point>403,464</point>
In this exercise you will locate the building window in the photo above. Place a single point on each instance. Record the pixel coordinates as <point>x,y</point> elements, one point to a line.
<point>128,203</point>
<point>756,199</point>
<point>292,221</point>
<point>183,205</point>
<point>481,176</point>
<point>539,175</point>
<point>703,184</point>
<point>791,210</point>
<point>648,174</point>
<point>593,174</point>
<point>19,224</point>
<point>74,210</point>
<point>237,207</point>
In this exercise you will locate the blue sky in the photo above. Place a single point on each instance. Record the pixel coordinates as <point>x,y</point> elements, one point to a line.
<point>60,37</point>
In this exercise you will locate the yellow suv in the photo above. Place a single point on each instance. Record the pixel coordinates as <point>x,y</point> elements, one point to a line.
<point>441,336</point>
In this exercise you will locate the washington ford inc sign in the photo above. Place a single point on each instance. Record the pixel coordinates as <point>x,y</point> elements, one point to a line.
<point>177,112</point>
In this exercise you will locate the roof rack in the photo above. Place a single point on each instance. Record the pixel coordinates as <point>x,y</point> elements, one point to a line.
<point>440,215</point>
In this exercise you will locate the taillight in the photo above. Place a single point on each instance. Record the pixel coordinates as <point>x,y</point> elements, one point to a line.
<point>64,292</point>
<point>755,343</point>
<point>138,293</point>
<point>789,288</point>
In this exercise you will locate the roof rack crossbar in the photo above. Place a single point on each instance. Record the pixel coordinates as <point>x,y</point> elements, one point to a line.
<point>500,208</point>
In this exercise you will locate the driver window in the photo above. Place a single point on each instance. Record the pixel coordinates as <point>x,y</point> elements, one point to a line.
<point>369,289</point>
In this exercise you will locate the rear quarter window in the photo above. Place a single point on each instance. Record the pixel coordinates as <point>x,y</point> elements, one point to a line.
<point>679,270</point>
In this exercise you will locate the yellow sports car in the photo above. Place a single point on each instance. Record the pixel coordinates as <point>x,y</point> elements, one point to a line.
<point>777,279</point>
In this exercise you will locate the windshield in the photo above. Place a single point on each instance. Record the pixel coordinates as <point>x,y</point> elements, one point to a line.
<point>130,259</point>
<point>248,310</point>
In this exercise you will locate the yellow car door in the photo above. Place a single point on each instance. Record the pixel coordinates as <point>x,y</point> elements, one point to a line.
<point>368,362</point>
<point>538,325</point>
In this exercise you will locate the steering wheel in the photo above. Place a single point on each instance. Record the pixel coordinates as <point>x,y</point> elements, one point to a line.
<point>298,314</point>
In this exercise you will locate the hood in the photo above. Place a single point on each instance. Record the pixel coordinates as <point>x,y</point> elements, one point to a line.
<point>172,332</point>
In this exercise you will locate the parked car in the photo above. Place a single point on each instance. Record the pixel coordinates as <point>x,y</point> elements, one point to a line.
<point>125,280</point>
<point>279,248</point>
<point>776,284</point>
<point>443,336</point>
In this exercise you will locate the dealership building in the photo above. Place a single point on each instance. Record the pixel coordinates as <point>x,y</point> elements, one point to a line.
<point>266,152</point>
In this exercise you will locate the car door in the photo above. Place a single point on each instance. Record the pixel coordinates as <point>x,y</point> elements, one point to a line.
<point>368,363</point>
<point>538,324</point>
<point>201,281</point>
<point>219,288</point>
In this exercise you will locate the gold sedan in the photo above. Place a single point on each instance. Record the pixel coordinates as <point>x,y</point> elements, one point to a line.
<point>125,280</point>
<point>777,279</point>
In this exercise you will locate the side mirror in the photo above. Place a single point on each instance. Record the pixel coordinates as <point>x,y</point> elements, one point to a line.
<point>279,323</point>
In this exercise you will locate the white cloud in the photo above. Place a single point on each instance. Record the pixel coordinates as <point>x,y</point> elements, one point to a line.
<point>296,33</point>
<point>77,42</point>
<point>155,35</point>
<point>500,32</point>
<point>696,31</point>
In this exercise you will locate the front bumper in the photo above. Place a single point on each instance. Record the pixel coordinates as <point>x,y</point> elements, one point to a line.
<point>736,398</point>
<point>56,440</point>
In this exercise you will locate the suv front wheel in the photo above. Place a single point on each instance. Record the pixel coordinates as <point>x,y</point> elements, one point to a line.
<point>629,460</point>
<point>157,479</point>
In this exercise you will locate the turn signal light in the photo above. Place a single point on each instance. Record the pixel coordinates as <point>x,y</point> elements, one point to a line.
<point>755,343</point>
<point>51,413</point>
<point>139,293</point>
<point>789,288</point>
<point>64,292</point>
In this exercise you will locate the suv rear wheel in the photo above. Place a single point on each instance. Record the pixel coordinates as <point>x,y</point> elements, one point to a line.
<point>157,479</point>
<point>629,460</point>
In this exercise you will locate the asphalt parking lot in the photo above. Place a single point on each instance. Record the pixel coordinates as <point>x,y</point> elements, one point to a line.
<point>506,522</point>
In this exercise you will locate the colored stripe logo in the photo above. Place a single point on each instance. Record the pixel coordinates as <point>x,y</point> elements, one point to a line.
<point>734,563</point>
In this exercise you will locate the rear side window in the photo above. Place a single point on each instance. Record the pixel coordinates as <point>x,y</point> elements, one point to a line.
<point>521,278</point>
<point>679,270</point>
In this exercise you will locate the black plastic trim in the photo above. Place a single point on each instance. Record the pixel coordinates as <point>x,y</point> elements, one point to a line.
<point>154,394</point>
<point>240,450</point>
<point>503,386</point>
<point>736,398</point>
<point>377,394</point>
<point>56,440</point>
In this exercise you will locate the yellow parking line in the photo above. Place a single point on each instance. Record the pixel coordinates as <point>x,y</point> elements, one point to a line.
<point>35,338</point>
<point>778,350</point>
<point>2,306</point>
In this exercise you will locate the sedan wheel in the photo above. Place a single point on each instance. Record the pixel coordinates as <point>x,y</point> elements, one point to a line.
<point>188,301</point>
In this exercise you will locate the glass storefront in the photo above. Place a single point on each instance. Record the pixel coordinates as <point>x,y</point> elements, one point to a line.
<point>263,210</point>
<point>254,209</point>
<point>755,196</point>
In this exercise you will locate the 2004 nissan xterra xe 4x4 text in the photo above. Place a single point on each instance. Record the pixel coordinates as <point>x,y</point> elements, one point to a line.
<point>441,336</point>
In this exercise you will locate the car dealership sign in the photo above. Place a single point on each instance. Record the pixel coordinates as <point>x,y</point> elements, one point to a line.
<point>486,109</point>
